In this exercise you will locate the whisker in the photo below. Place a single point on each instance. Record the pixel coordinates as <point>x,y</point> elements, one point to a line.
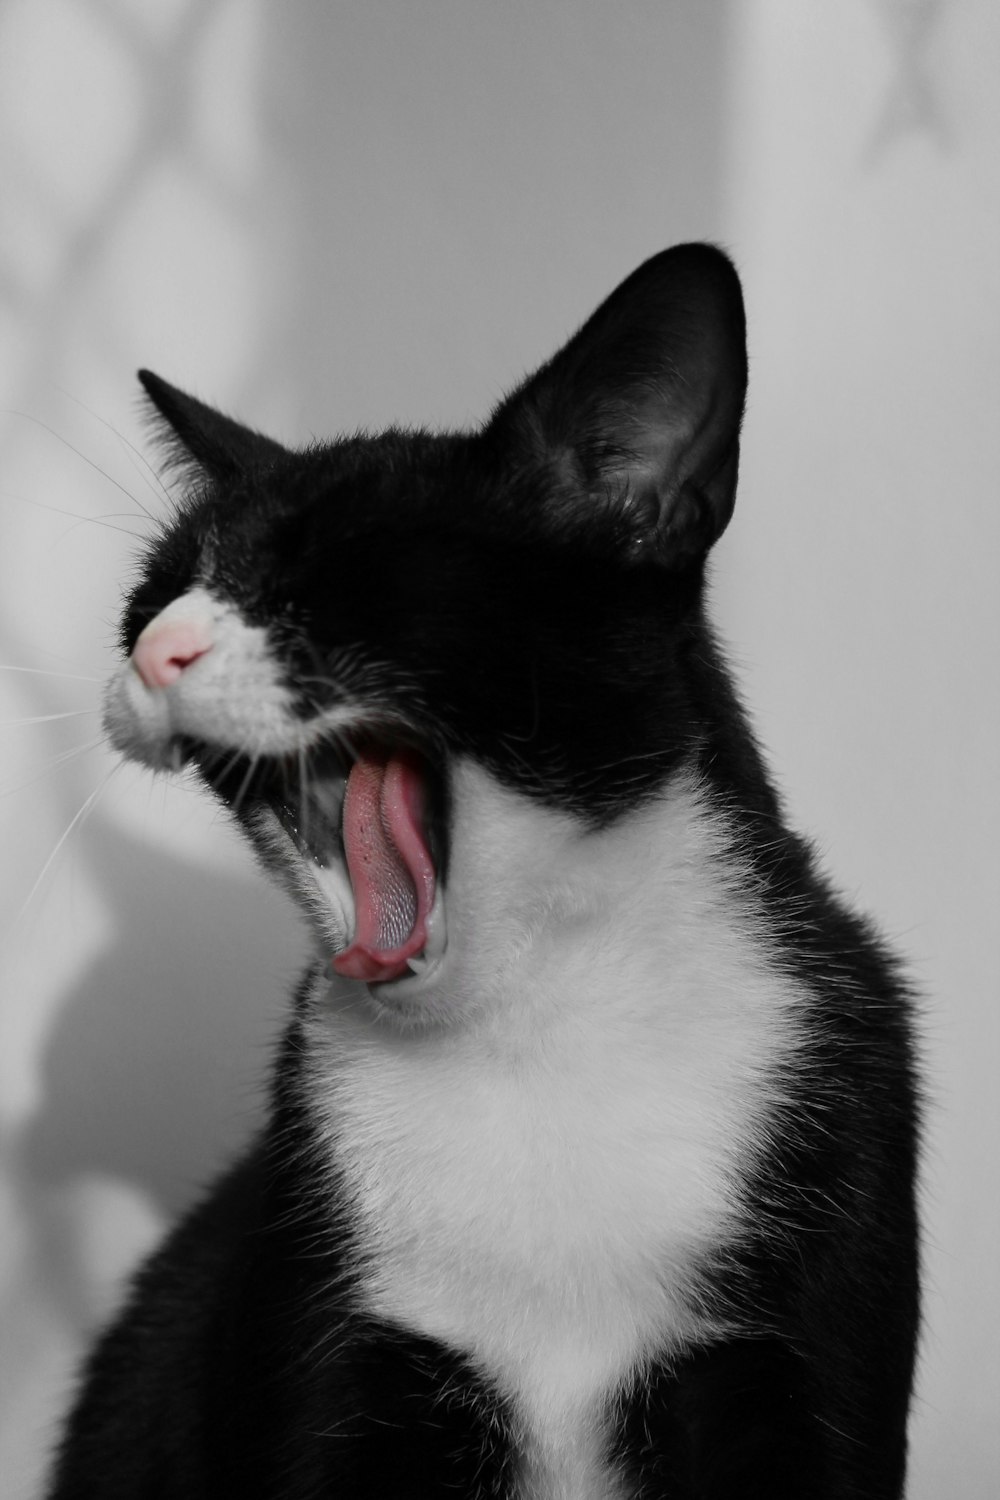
<point>50,765</point>
<point>216,761</point>
<point>304,778</point>
<point>89,803</point>
<point>74,713</point>
<point>58,510</point>
<point>151,479</point>
<point>245,784</point>
<point>47,672</point>
<point>28,417</point>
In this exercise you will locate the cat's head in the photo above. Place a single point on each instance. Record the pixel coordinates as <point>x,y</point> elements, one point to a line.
<point>327,633</point>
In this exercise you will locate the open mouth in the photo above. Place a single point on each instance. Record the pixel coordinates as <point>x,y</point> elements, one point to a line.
<point>370,813</point>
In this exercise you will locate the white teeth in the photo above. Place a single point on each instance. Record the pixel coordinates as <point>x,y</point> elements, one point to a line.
<point>437,942</point>
<point>424,963</point>
<point>437,931</point>
<point>420,967</point>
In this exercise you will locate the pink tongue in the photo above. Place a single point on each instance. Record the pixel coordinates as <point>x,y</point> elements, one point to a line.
<point>390,868</point>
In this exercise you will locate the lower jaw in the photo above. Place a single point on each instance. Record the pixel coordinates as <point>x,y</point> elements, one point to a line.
<point>416,971</point>
<point>321,889</point>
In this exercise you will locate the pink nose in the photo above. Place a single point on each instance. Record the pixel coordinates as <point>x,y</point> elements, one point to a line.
<point>166,648</point>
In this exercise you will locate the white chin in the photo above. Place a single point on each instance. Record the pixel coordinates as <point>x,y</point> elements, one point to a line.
<point>322,892</point>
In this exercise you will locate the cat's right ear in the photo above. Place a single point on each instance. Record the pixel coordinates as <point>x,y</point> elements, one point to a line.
<point>634,425</point>
<point>199,437</point>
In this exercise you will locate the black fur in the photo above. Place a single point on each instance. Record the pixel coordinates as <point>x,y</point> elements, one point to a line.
<point>530,595</point>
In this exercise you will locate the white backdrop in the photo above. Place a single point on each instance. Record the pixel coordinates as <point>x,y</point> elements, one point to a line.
<point>330,215</point>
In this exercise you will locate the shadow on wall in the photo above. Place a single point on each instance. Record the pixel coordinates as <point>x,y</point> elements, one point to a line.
<point>155,1075</point>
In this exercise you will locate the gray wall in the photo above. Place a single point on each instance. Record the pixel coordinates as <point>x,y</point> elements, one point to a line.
<point>326,216</point>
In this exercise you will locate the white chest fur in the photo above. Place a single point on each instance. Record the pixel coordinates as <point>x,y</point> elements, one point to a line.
<point>539,1175</point>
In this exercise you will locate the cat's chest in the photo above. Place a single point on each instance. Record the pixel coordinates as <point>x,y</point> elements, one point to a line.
<point>540,1189</point>
<point>572,1193</point>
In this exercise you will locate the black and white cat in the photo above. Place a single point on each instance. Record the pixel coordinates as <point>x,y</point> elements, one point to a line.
<point>589,1170</point>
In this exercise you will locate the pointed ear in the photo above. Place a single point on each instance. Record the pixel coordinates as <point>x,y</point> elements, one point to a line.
<point>198,435</point>
<point>640,412</point>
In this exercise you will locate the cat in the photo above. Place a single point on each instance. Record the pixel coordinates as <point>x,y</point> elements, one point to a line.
<point>589,1166</point>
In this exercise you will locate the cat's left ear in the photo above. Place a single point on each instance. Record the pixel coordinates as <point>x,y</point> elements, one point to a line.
<point>639,414</point>
<point>198,436</point>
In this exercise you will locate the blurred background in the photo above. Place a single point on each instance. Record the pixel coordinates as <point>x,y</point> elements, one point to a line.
<point>323,215</point>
